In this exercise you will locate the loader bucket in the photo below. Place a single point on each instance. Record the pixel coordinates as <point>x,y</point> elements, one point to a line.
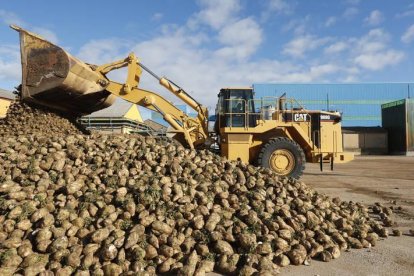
<point>53,78</point>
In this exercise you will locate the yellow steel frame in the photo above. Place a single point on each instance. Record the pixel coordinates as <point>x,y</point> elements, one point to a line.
<point>241,142</point>
<point>194,130</point>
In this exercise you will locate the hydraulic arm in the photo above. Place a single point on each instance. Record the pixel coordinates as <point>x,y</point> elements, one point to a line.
<point>52,77</point>
<point>193,130</point>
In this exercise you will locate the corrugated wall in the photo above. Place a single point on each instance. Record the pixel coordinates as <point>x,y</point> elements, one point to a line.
<point>410,124</point>
<point>394,120</point>
<point>360,103</point>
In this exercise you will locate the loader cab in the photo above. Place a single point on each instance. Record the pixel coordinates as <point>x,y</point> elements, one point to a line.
<point>235,108</point>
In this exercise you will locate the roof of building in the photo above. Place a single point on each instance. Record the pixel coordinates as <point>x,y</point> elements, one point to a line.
<point>120,109</point>
<point>363,130</point>
<point>5,94</point>
<point>117,110</point>
<point>154,125</point>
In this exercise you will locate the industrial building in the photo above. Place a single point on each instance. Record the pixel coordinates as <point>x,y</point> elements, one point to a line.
<point>6,98</point>
<point>360,103</point>
<point>398,120</point>
<point>365,140</point>
<point>122,117</point>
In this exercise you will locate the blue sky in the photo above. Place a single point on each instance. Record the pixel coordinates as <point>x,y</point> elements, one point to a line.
<point>207,44</point>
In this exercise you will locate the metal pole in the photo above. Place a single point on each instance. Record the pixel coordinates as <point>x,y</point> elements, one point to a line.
<point>149,71</point>
<point>327,102</point>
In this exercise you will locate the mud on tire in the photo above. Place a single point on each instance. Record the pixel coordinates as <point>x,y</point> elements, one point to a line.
<point>287,145</point>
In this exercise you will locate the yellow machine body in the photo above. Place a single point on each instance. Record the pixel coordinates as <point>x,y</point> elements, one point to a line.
<point>4,106</point>
<point>253,128</point>
<point>281,139</point>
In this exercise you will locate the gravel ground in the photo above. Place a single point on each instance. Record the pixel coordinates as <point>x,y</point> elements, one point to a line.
<point>369,179</point>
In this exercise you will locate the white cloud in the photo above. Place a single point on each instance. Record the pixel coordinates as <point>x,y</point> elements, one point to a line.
<point>408,11</point>
<point>350,13</point>
<point>241,39</point>
<point>318,72</point>
<point>323,70</point>
<point>379,60</point>
<point>10,67</point>
<point>350,79</point>
<point>280,6</point>
<point>181,55</point>
<point>336,47</point>
<point>10,71</point>
<point>331,21</point>
<point>408,36</point>
<point>203,60</point>
<point>103,51</point>
<point>376,40</point>
<point>372,51</point>
<point>157,16</point>
<point>297,26</point>
<point>9,52</point>
<point>302,44</point>
<point>170,48</point>
<point>277,8</point>
<point>203,71</point>
<point>375,18</point>
<point>46,33</point>
<point>352,2</point>
<point>378,34</point>
<point>10,18</point>
<point>217,13</point>
<point>240,32</point>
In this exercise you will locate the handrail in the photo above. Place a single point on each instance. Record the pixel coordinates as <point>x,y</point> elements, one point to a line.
<point>260,105</point>
<point>116,123</point>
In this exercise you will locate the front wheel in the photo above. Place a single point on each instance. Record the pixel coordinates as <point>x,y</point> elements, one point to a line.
<point>283,156</point>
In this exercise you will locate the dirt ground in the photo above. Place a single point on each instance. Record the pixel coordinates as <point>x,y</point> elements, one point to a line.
<point>369,179</point>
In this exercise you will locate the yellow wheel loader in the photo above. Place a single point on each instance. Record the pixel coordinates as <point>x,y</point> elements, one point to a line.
<point>275,133</point>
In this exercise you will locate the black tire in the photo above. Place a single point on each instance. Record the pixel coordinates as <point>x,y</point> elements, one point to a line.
<point>282,143</point>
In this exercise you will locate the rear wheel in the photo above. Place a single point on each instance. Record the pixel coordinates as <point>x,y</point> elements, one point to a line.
<point>283,156</point>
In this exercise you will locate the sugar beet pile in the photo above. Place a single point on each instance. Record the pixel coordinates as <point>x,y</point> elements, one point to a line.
<point>111,205</point>
<point>23,120</point>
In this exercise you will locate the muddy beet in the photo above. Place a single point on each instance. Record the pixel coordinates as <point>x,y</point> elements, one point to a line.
<point>111,205</point>
<point>23,119</point>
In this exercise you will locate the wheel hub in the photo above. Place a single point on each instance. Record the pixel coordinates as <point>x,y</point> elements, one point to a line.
<point>282,161</point>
